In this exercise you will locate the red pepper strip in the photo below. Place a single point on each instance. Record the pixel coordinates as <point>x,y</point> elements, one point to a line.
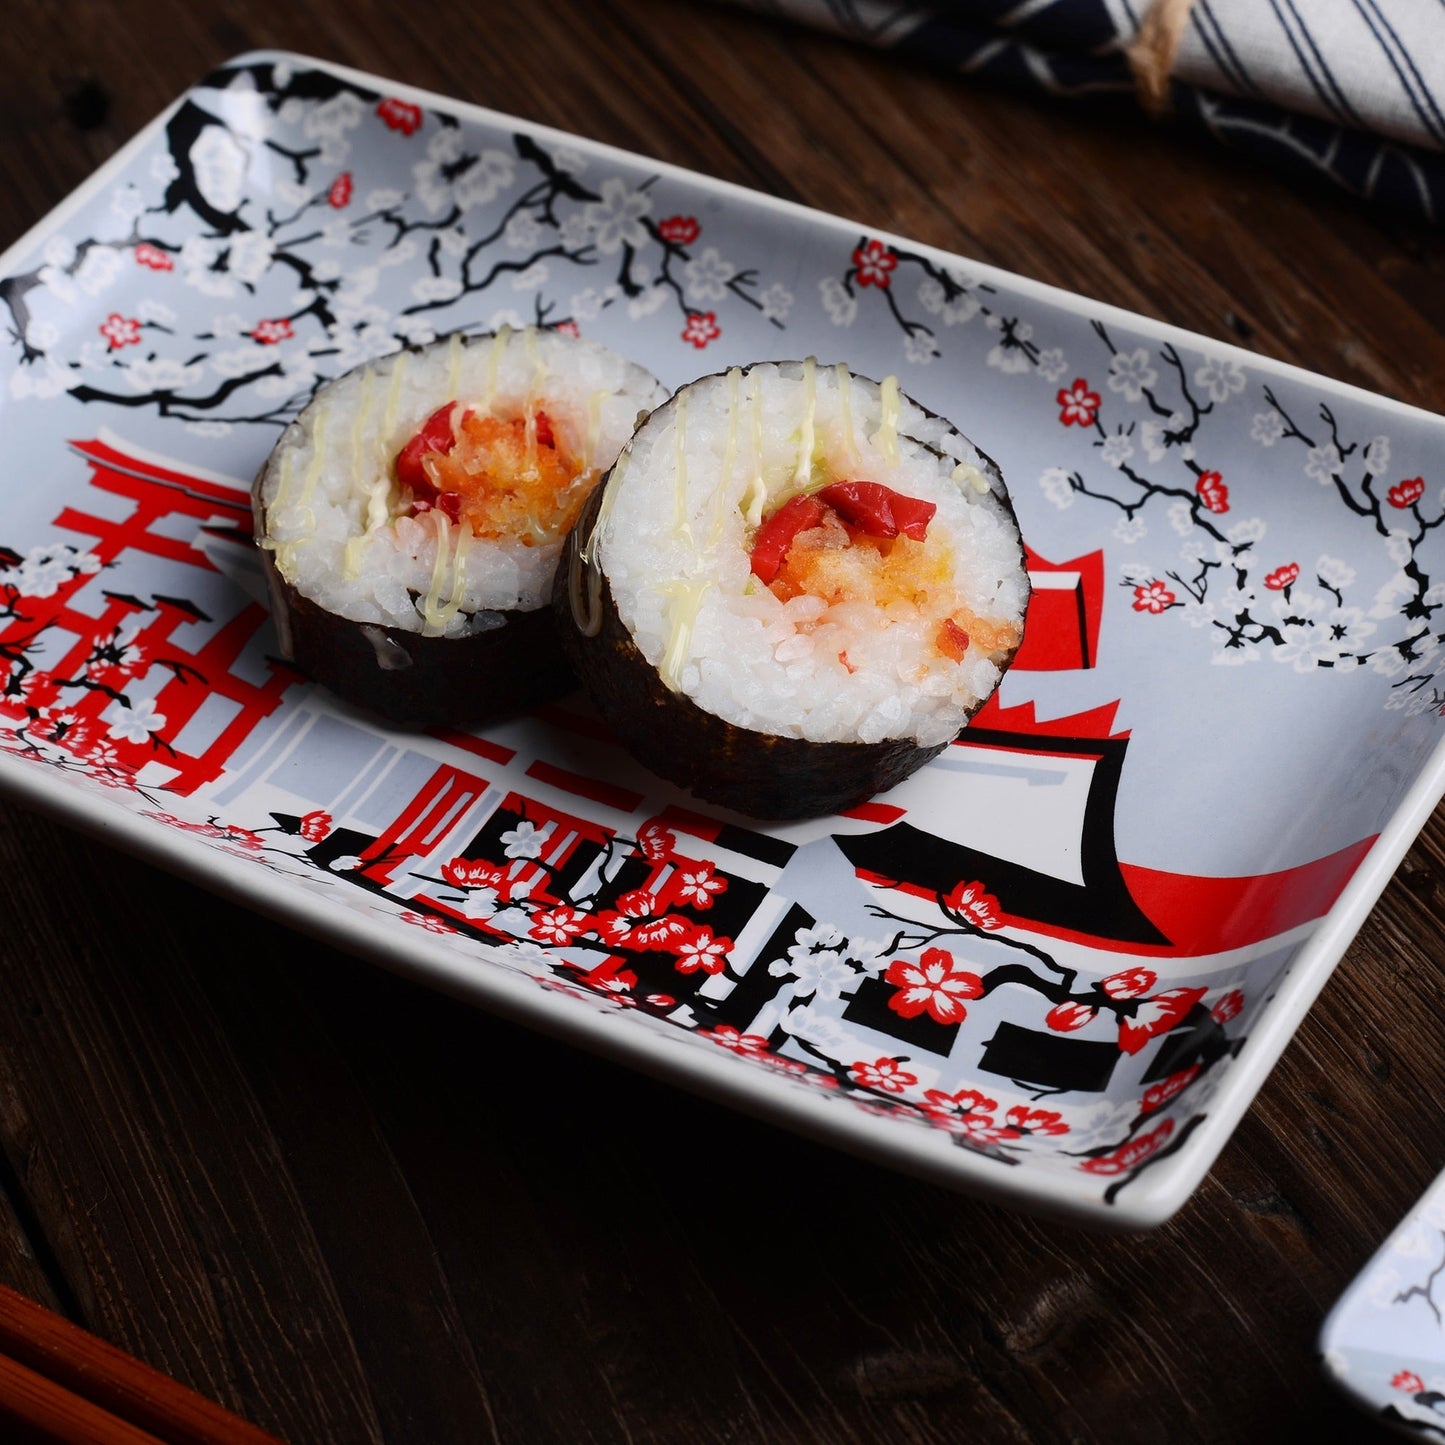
<point>545,435</point>
<point>435,436</point>
<point>878,510</point>
<point>952,640</point>
<point>776,535</point>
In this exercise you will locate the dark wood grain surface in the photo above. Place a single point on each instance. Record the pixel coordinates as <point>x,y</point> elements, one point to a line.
<point>354,1211</point>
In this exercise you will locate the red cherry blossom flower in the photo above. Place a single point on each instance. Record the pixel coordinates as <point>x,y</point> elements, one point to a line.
<point>970,903</point>
<point>637,903</point>
<point>701,328</point>
<point>473,873</point>
<point>661,1000</point>
<point>965,1101</point>
<point>1134,1153</point>
<point>1065,1017</point>
<point>1129,983</point>
<point>268,333</point>
<point>315,825</point>
<point>1153,597</point>
<point>680,230</point>
<point>876,264</point>
<point>1157,1095</point>
<point>699,886</point>
<point>655,842</point>
<point>936,984</point>
<point>1078,406</point>
<point>1407,493</point>
<point>887,1075</point>
<point>725,1035</point>
<point>614,929</point>
<point>1036,1121</point>
<point>558,925</point>
<point>120,331</point>
<point>1229,1007</point>
<point>1157,1016</point>
<point>1408,1381</point>
<point>340,193</point>
<point>152,256</point>
<point>661,934</point>
<point>568,328</point>
<point>428,921</point>
<point>703,951</point>
<point>400,115</point>
<point>1282,577</point>
<point>977,1128</point>
<point>1212,490</point>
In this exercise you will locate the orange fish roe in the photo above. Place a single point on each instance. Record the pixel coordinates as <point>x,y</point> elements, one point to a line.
<point>895,575</point>
<point>505,483</point>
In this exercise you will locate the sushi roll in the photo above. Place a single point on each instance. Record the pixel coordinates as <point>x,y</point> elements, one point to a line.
<point>412,515</point>
<point>793,589</point>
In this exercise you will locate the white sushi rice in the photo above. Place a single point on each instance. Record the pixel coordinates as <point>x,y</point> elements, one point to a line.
<point>678,523</point>
<point>336,520</point>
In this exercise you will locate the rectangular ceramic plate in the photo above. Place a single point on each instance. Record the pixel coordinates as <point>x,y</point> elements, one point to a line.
<point>1029,971</point>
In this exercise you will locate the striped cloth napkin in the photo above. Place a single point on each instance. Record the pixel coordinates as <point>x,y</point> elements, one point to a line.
<point>1352,91</point>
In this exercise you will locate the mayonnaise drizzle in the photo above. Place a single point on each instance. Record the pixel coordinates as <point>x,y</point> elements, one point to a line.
<point>887,437</point>
<point>803,472</point>
<point>966,474</point>
<point>433,620</point>
<point>756,491</point>
<point>454,365</point>
<point>679,492</point>
<point>393,399</point>
<point>494,362</point>
<point>730,455</point>
<point>845,406</point>
<point>686,604</point>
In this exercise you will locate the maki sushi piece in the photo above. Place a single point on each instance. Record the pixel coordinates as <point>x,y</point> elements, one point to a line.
<point>793,589</point>
<point>412,515</point>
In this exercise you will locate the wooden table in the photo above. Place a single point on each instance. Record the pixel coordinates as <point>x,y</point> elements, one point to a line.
<point>354,1211</point>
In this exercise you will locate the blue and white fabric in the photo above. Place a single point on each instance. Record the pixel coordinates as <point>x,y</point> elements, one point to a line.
<point>1352,91</point>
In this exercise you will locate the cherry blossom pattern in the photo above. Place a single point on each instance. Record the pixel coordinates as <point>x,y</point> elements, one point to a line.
<point>153,257</point>
<point>1078,406</point>
<point>1141,1013</point>
<point>1407,493</point>
<point>1283,577</point>
<point>1153,597</point>
<point>699,886</point>
<point>679,230</point>
<point>314,826</point>
<point>269,333</point>
<point>338,194</point>
<point>400,115</point>
<point>874,264</point>
<point>120,331</point>
<point>936,984</point>
<point>701,950</point>
<point>701,328</point>
<point>886,1075</point>
<point>1212,491</point>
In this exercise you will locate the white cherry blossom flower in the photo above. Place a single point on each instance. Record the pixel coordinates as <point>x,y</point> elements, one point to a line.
<point>487,176</point>
<point>1052,364</point>
<point>436,288</point>
<point>839,305</point>
<point>1131,373</point>
<point>1136,574</point>
<point>163,167</point>
<point>575,231</point>
<point>706,277</point>
<point>1322,462</point>
<point>920,348</point>
<point>1268,428</point>
<point>209,427</point>
<point>616,220</point>
<point>98,271</point>
<point>162,374</point>
<point>1117,449</point>
<point>1233,654</point>
<point>532,277</point>
<point>521,231</point>
<point>332,118</point>
<point>1377,455</point>
<point>647,303</point>
<point>1131,529</point>
<point>1181,517</point>
<point>1220,376</point>
<point>1335,572</point>
<point>133,724</point>
<point>128,202</point>
<point>1057,487</point>
<point>776,302</point>
<point>219,163</point>
<point>526,840</point>
<point>1246,530</point>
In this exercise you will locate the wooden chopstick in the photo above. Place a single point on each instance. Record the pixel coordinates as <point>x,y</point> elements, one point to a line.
<point>60,1383</point>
